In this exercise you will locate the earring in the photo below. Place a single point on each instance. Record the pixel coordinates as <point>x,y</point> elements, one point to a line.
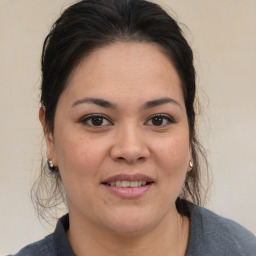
<point>191,164</point>
<point>50,165</point>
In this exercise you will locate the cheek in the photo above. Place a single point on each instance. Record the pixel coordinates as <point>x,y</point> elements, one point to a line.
<point>171,158</point>
<point>79,165</point>
<point>79,156</point>
<point>174,152</point>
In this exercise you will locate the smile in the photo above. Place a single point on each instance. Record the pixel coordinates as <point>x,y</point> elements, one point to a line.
<point>127,184</point>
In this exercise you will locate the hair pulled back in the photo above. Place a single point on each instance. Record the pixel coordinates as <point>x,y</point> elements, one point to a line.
<point>90,24</point>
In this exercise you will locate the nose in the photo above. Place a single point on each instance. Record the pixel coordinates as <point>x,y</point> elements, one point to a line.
<point>129,145</point>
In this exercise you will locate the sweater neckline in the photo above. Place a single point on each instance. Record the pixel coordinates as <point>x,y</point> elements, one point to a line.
<point>63,247</point>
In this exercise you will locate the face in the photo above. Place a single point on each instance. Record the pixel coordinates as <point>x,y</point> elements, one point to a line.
<point>121,138</point>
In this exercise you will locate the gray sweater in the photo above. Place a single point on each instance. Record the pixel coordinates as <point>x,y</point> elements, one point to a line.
<point>210,235</point>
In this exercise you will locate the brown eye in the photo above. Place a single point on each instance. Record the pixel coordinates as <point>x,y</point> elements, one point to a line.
<point>159,120</point>
<point>95,121</point>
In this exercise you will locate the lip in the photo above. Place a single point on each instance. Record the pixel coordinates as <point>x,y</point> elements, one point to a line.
<point>128,177</point>
<point>128,193</point>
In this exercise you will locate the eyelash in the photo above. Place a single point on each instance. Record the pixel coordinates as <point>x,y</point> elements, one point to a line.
<point>167,118</point>
<point>85,120</point>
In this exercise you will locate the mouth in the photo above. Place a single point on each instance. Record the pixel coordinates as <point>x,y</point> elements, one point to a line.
<point>127,184</point>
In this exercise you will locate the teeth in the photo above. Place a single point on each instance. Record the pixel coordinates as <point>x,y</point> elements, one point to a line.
<point>134,184</point>
<point>118,183</point>
<point>127,184</point>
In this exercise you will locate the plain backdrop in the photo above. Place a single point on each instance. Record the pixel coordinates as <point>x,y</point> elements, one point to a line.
<point>222,34</point>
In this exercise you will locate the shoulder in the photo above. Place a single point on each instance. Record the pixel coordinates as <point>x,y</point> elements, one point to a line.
<point>221,236</point>
<point>215,224</point>
<point>53,244</point>
<point>44,247</point>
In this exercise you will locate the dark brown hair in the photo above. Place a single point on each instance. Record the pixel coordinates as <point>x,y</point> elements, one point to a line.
<point>90,24</point>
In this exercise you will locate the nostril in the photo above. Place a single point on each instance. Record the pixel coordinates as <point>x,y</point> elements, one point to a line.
<point>129,153</point>
<point>138,159</point>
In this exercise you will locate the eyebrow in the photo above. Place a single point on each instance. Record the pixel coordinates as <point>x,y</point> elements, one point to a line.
<point>107,104</point>
<point>96,101</point>
<point>161,101</point>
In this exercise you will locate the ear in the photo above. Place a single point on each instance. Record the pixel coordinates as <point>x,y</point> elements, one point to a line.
<point>50,152</point>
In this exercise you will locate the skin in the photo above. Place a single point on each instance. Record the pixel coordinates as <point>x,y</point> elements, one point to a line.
<point>128,75</point>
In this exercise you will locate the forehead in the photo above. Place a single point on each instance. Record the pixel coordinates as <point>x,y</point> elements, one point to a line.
<point>127,69</point>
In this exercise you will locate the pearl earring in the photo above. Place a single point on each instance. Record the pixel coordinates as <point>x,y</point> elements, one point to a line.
<point>191,164</point>
<point>50,165</point>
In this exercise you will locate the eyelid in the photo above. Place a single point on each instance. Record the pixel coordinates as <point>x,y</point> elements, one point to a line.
<point>86,118</point>
<point>165,116</point>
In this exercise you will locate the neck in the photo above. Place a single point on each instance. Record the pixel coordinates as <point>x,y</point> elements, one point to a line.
<point>170,237</point>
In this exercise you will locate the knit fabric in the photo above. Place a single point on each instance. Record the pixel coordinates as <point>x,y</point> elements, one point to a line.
<point>210,235</point>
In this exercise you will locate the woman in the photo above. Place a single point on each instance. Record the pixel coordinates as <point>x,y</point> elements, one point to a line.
<point>118,97</point>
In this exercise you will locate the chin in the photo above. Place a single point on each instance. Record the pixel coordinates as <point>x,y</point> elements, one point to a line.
<point>131,229</point>
<point>130,223</point>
